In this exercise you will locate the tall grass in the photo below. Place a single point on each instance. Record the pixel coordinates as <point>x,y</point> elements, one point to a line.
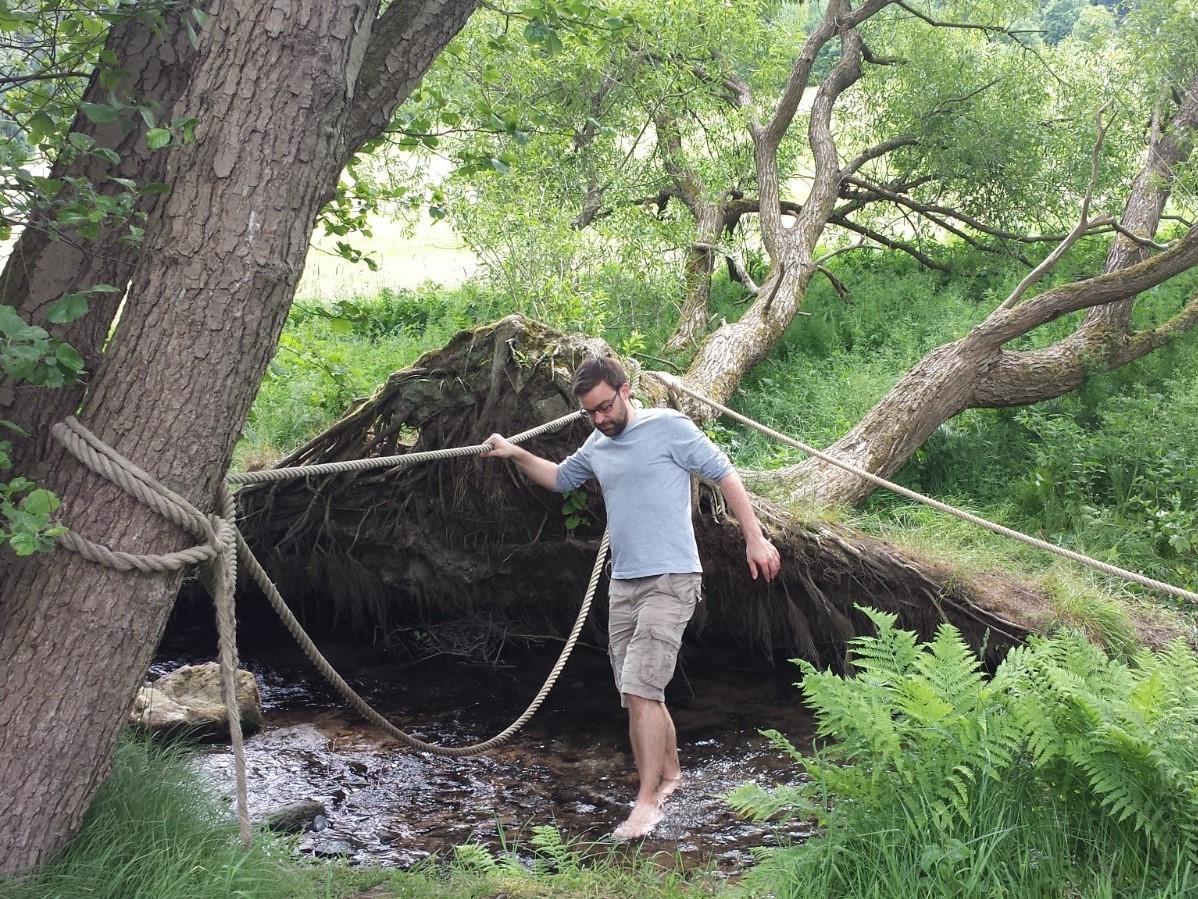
<point>551,867</point>
<point>155,831</point>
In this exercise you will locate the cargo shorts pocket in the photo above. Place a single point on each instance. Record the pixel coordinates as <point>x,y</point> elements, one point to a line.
<point>660,656</point>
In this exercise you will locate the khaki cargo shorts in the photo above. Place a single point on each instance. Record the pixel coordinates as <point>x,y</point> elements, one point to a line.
<point>646,618</point>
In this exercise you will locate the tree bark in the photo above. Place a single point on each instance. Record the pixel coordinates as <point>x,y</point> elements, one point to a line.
<point>46,263</point>
<point>734,348</point>
<point>275,93</point>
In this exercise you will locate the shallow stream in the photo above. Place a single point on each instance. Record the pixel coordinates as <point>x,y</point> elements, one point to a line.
<point>570,767</point>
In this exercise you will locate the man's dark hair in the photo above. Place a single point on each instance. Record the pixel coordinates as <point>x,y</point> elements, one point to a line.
<point>595,369</point>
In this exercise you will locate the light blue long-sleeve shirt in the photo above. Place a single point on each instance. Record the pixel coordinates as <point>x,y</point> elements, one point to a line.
<point>644,473</point>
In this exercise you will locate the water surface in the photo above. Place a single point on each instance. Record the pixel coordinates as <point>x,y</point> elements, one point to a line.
<point>570,767</point>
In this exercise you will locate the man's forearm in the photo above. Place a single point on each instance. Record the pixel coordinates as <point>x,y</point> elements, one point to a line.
<point>762,556</point>
<point>741,506</point>
<point>540,471</point>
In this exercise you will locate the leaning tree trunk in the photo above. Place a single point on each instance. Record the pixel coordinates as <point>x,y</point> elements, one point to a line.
<point>46,262</point>
<point>978,372</point>
<point>730,351</point>
<point>274,93</point>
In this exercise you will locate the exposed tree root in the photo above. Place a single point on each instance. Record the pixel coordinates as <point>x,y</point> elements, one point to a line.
<point>461,540</point>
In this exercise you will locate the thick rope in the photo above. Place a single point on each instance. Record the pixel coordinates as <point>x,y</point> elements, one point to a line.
<point>364,708</point>
<point>217,556</point>
<point>403,461</point>
<point>674,384</point>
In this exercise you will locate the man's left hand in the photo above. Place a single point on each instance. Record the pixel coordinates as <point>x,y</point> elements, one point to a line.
<point>763,558</point>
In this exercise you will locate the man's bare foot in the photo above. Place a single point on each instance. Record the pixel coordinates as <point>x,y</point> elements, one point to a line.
<point>640,823</point>
<point>667,786</point>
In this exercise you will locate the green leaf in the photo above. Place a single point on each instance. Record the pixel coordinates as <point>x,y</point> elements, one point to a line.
<point>24,543</point>
<point>99,112</point>
<point>69,357</point>
<point>187,127</point>
<point>157,138</point>
<point>39,126</point>
<point>67,308</point>
<point>10,20</point>
<point>40,502</point>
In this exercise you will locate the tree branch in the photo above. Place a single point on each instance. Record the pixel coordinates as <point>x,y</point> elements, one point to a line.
<point>876,152</point>
<point>1109,287</point>
<point>1084,223</point>
<point>889,242</point>
<point>992,29</point>
<point>404,40</point>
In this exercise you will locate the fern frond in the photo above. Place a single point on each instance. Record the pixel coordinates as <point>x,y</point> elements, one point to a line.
<point>779,803</point>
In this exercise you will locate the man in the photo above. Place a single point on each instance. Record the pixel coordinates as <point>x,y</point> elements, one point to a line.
<point>643,459</point>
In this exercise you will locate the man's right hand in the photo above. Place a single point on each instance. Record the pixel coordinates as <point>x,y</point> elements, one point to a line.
<point>542,471</point>
<point>501,447</point>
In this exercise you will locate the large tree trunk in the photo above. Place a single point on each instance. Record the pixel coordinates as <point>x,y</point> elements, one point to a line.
<point>45,262</point>
<point>276,93</point>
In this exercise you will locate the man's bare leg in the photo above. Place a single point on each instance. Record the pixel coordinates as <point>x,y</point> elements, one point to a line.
<point>652,735</point>
<point>671,769</point>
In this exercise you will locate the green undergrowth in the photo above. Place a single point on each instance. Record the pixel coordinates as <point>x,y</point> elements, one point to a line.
<point>156,831</point>
<point>552,867</point>
<point>1065,774</point>
<point>333,353</point>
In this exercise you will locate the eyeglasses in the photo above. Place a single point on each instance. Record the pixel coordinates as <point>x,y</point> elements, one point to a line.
<point>603,408</point>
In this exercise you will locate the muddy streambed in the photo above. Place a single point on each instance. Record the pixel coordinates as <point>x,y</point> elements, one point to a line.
<point>570,767</point>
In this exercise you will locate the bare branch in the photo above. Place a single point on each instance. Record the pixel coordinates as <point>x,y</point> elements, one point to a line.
<point>934,212</point>
<point>890,242</point>
<point>1012,33</point>
<point>403,41</point>
<point>837,285</point>
<point>869,154</point>
<point>734,260</point>
<point>1109,287</point>
<point>1084,225</point>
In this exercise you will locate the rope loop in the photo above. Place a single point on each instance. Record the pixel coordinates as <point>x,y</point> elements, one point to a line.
<point>216,556</point>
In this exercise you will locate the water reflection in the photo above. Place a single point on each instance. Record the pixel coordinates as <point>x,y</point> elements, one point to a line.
<point>571,766</point>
